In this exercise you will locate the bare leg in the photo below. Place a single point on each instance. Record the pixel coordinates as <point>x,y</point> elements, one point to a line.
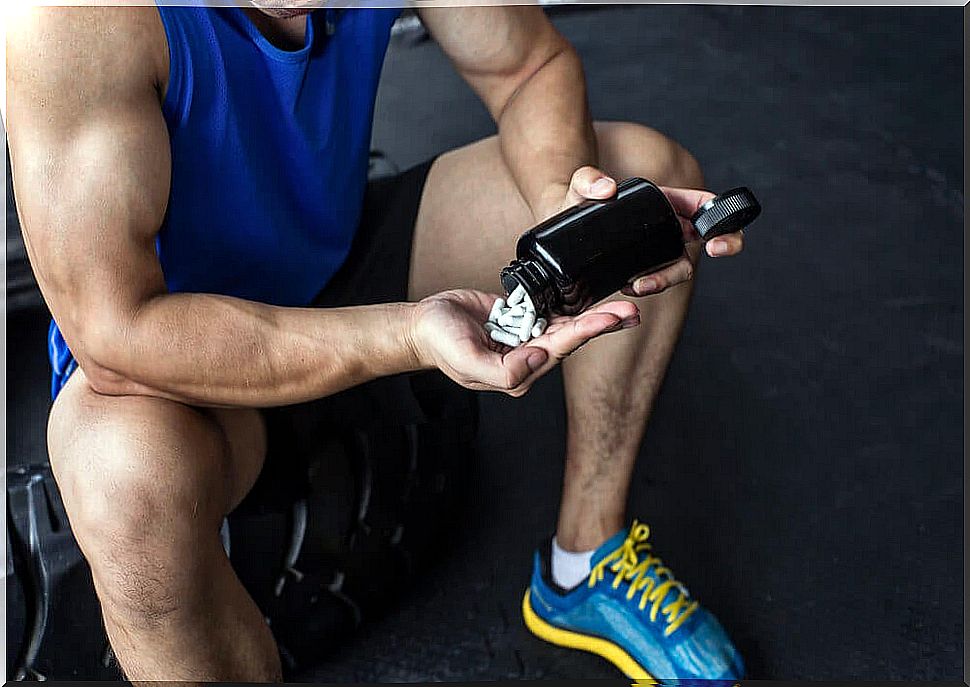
<point>146,483</point>
<point>471,214</point>
<point>611,384</point>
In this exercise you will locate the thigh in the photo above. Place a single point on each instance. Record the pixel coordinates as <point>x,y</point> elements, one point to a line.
<point>470,215</point>
<point>141,443</point>
<point>471,211</point>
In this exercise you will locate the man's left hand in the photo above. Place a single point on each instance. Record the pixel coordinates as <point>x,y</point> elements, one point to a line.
<point>590,183</point>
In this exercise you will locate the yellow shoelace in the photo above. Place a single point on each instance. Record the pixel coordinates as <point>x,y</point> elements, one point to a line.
<point>628,565</point>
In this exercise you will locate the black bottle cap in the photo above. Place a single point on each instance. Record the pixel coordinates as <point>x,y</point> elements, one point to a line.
<point>726,213</point>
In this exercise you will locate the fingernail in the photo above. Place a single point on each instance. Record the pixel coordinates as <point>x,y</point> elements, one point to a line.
<point>718,247</point>
<point>602,185</point>
<point>648,284</point>
<point>535,360</point>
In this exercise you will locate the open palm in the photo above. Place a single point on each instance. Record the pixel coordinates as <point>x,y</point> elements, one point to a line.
<point>450,335</point>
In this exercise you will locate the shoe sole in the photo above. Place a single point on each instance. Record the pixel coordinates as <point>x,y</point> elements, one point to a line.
<point>570,639</point>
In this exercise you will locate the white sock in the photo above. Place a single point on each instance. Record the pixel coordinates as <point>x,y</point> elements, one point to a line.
<point>569,568</point>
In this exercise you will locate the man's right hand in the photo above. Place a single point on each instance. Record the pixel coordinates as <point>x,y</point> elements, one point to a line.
<point>448,333</point>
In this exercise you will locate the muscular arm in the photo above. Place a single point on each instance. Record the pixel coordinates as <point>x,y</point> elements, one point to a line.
<point>90,156</point>
<point>531,80</point>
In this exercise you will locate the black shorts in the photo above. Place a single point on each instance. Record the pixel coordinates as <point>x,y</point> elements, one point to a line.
<point>377,267</point>
<point>376,271</point>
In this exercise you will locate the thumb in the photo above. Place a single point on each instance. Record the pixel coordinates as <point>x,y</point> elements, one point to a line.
<point>522,362</point>
<point>589,183</point>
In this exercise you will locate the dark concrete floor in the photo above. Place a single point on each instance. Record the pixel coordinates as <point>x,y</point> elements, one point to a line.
<point>802,472</point>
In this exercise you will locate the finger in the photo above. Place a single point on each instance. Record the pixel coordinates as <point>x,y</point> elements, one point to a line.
<point>575,332</point>
<point>680,271</point>
<point>504,371</point>
<point>589,183</point>
<point>686,201</point>
<point>728,244</point>
<point>693,250</point>
<point>620,309</point>
<point>521,366</point>
<point>524,365</point>
<point>688,230</point>
<point>566,334</point>
<point>624,310</point>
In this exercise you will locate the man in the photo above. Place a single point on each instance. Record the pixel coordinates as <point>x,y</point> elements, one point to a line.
<point>191,179</point>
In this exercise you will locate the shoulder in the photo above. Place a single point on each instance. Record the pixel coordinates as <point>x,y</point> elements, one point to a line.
<point>85,53</point>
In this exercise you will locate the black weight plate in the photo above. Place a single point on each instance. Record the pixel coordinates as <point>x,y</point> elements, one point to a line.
<point>67,638</point>
<point>17,617</point>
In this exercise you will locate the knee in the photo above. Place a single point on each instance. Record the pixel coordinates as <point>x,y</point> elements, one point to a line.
<point>682,167</point>
<point>131,470</point>
<point>630,149</point>
<point>133,489</point>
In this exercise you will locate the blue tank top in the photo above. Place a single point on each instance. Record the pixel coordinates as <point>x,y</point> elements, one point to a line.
<point>269,154</point>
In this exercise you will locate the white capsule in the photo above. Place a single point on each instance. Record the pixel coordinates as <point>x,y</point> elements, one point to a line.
<point>504,337</point>
<point>527,302</point>
<point>525,327</point>
<point>517,310</point>
<point>497,307</point>
<point>539,327</point>
<point>489,326</point>
<point>518,293</point>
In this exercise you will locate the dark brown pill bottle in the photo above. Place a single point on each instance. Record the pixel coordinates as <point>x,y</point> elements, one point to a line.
<point>582,255</point>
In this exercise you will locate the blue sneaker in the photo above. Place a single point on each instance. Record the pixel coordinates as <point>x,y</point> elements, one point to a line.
<point>632,612</point>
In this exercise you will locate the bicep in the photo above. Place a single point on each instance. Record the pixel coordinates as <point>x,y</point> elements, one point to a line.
<point>90,161</point>
<point>495,49</point>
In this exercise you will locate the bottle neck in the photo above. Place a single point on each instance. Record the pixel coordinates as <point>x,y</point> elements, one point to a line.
<point>536,282</point>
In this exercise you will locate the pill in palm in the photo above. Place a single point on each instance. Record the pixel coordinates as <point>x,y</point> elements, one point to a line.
<point>497,307</point>
<point>527,302</point>
<point>504,337</point>
<point>525,327</point>
<point>514,320</point>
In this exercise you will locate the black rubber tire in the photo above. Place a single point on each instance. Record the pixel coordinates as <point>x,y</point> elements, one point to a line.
<point>362,511</point>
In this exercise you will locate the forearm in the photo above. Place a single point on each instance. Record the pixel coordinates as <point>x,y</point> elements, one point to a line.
<point>214,350</point>
<point>546,132</point>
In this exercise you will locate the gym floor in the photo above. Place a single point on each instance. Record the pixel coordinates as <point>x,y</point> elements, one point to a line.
<point>802,472</point>
<point>803,469</point>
